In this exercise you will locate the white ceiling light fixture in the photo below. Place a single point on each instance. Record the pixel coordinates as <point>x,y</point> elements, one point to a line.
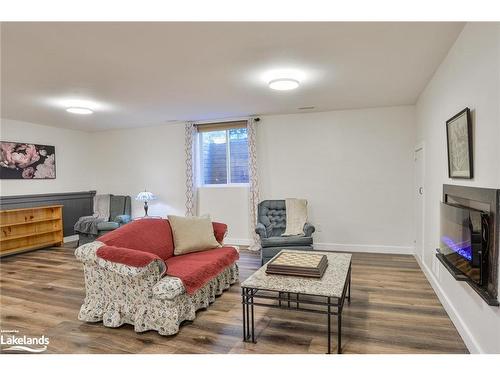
<point>79,110</point>
<point>284,84</point>
<point>78,106</point>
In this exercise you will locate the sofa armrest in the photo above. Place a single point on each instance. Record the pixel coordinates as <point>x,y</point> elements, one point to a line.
<point>168,288</point>
<point>260,229</point>
<point>309,229</point>
<point>220,231</point>
<point>128,257</point>
<point>122,219</point>
<point>107,225</point>
<point>87,254</point>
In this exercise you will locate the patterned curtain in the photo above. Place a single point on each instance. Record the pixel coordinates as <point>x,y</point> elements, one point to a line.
<point>190,143</point>
<point>254,182</point>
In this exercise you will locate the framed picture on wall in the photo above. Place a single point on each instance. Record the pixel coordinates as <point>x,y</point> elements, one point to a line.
<point>459,139</point>
<point>27,161</point>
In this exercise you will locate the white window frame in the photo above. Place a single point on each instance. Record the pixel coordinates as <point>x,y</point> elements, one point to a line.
<point>199,144</point>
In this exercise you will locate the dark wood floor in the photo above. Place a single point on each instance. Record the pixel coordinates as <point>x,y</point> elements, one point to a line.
<point>393,310</point>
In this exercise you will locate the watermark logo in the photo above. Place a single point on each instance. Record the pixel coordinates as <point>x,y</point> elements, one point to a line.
<point>12,341</point>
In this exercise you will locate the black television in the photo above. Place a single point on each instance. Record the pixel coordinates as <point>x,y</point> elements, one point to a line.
<point>464,240</point>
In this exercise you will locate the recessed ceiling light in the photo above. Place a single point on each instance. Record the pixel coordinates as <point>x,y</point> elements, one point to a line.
<point>283,84</point>
<point>79,110</point>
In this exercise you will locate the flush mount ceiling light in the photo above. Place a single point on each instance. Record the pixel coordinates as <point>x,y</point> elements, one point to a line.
<point>79,110</point>
<point>79,106</point>
<point>283,84</point>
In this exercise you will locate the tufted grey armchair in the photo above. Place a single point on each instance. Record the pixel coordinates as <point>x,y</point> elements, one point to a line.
<point>271,224</point>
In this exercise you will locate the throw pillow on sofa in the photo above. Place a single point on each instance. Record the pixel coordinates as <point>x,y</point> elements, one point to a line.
<point>192,234</point>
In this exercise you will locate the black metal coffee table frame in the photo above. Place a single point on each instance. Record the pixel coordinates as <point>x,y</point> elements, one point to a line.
<point>329,306</point>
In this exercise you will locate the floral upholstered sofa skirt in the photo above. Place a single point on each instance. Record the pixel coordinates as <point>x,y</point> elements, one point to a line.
<point>117,293</point>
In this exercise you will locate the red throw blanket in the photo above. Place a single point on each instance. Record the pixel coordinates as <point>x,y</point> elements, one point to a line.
<point>194,269</point>
<point>151,236</point>
<point>148,235</point>
<point>197,269</point>
<point>143,241</point>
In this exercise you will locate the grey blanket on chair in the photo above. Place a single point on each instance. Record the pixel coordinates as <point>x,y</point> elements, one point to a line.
<point>88,224</point>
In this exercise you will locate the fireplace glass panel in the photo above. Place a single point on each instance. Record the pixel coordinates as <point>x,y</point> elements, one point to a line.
<point>461,239</point>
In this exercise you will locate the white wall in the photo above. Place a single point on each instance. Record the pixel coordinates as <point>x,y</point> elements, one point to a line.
<point>228,205</point>
<point>131,160</point>
<point>118,162</point>
<point>74,167</point>
<point>354,167</point>
<point>468,77</point>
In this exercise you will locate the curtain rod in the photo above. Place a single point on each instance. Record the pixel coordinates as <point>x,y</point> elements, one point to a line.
<point>231,119</point>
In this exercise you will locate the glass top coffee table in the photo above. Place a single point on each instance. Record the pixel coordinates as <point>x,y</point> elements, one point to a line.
<point>320,296</point>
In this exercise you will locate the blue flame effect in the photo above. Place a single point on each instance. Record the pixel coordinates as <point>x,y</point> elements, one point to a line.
<point>465,252</point>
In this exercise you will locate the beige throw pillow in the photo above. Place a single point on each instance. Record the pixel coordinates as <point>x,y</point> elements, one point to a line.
<point>192,234</point>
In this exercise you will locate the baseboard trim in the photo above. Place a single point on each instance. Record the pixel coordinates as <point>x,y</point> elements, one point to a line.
<point>326,246</point>
<point>452,312</point>
<point>237,241</point>
<point>381,249</point>
<point>70,238</point>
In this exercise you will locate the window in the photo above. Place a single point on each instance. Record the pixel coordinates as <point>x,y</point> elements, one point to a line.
<point>223,152</point>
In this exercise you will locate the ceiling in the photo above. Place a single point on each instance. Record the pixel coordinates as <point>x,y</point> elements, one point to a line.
<point>144,74</point>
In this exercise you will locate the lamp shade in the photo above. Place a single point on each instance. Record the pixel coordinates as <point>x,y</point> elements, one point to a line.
<point>145,196</point>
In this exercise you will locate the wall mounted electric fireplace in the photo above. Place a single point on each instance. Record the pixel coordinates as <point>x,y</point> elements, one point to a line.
<point>464,240</point>
<point>469,244</point>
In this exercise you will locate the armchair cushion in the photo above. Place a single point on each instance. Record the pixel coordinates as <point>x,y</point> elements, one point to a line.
<point>122,219</point>
<point>286,241</point>
<point>107,225</point>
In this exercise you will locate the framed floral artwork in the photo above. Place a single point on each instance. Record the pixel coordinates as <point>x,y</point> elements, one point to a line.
<point>27,161</point>
<point>459,137</point>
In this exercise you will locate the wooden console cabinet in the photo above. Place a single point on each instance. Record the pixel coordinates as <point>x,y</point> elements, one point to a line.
<point>25,229</point>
